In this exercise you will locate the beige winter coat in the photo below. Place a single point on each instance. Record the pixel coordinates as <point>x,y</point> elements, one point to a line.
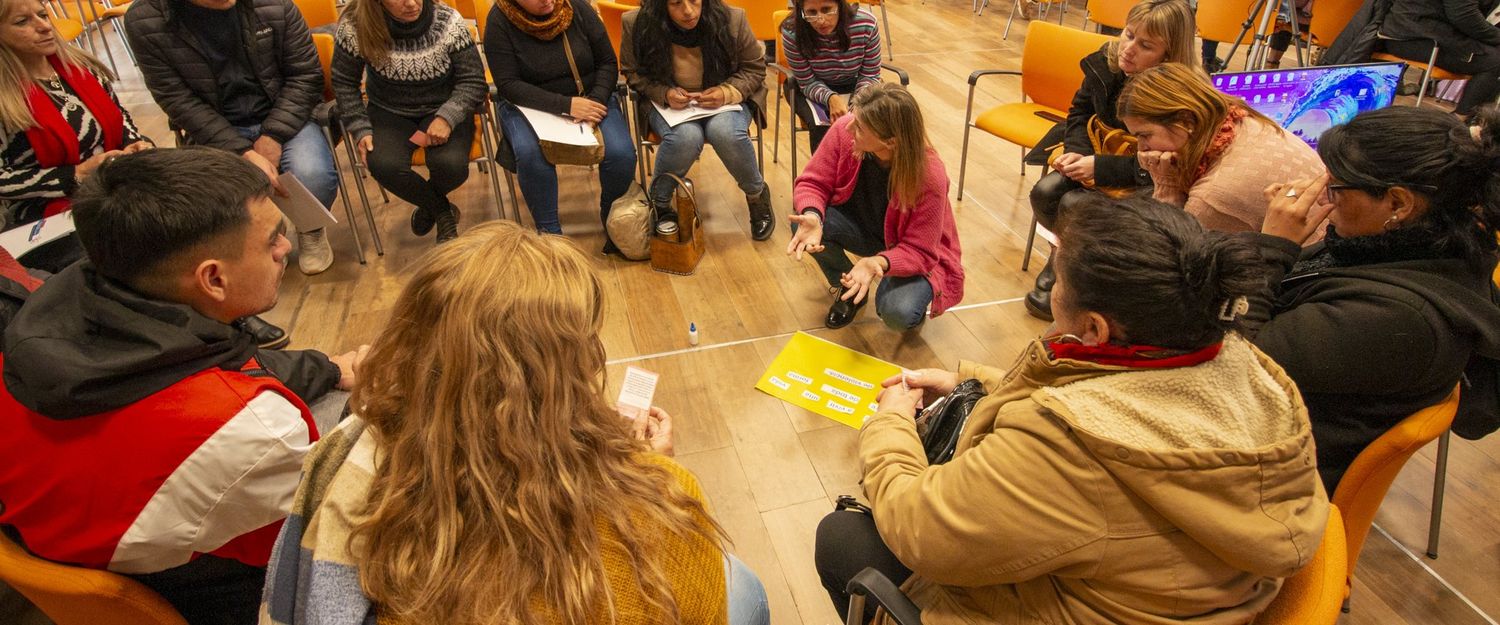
<point>1087,494</point>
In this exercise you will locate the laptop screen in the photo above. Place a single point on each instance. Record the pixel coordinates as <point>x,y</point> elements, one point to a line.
<point>1310,100</point>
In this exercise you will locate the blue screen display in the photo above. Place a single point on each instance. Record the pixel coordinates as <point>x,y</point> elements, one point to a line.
<point>1308,101</point>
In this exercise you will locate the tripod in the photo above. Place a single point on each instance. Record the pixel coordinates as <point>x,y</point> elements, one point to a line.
<point>1258,45</point>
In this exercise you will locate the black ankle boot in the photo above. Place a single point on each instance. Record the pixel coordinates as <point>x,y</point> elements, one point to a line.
<point>1046,278</point>
<point>1039,304</point>
<point>843,311</point>
<point>762,222</point>
<point>266,335</point>
<point>447,225</point>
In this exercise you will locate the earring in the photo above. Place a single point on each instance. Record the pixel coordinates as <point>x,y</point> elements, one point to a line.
<point>1392,223</point>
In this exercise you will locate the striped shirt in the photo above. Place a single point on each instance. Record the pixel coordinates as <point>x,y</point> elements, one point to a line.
<point>859,64</point>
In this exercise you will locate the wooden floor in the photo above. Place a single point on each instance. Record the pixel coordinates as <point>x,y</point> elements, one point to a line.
<point>772,470</point>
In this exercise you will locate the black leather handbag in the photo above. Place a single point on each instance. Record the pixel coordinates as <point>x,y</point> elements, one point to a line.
<point>940,424</point>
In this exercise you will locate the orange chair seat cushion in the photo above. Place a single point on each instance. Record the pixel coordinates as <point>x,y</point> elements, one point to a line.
<point>476,152</point>
<point>1438,73</point>
<point>1316,593</point>
<point>67,29</point>
<point>1018,123</point>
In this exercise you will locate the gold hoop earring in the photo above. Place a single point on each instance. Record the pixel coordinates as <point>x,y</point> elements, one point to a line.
<point>1392,223</point>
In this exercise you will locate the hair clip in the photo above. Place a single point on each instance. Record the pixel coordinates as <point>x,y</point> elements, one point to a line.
<point>1233,308</point>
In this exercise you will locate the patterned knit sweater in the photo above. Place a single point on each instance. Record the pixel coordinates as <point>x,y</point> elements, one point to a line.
<point>437,71</point>
<point>830,63</point>
<point>25,186</point>
<point>313,578</point>
<point>1229,197</point>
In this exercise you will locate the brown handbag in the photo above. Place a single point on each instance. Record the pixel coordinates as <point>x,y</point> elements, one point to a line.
<point>1107,141</point>
<point>679,253</point>
<point>566,153</point>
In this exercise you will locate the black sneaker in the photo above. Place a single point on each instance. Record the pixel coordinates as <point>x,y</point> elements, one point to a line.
<point>266,335</point>
<point>421,222</point>
<point>447,225</point>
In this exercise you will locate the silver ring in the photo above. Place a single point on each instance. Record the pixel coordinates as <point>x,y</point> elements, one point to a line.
<point>1291,193</point>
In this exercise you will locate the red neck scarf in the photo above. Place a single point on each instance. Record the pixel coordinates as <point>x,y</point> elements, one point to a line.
<point>1139,356</point>
<point>1220,142</point>
<point>53,139</point>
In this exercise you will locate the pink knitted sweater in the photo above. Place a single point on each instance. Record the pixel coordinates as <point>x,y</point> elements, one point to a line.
<point>919,241</point>
<point>1230,196</point>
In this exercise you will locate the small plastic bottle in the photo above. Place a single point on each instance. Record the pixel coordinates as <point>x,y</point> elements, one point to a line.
<point>692,333</point>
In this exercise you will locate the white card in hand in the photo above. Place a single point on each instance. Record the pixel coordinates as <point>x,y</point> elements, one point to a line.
<point>636,392</point>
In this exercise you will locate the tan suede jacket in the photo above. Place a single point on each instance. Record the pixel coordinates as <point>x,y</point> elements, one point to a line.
<point>1086,494</point>
<point>748,80</point>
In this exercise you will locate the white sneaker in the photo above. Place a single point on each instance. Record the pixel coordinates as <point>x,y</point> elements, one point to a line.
<point>316,255</point>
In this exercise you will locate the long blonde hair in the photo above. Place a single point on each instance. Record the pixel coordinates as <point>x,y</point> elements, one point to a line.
<point>500,462</point>
<point>371,34</point>
<point>1173,94</point>
<point>15,113</point>
<point>1171,21</point>
<point>890,112</point>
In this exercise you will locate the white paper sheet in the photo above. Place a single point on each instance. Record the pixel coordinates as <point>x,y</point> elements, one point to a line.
<point>305,211</point>
<point>26,237</point>
<point>636,391</point>
<point>675,116</point>
<point>557,128</point>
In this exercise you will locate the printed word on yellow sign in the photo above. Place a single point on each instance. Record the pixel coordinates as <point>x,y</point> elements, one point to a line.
<point>826,378</point>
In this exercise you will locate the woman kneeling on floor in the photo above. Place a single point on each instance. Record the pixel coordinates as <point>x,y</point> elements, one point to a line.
<point>877,188</point>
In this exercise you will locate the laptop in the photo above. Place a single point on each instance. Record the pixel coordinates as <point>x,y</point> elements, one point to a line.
<point>1309,100</point>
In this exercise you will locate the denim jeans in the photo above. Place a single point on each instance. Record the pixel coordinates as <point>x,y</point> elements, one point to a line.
<point>901,302</point>
<point>728,132</point>
<point>747,597</point>
<point>308,157</point>
<point>539,178</point>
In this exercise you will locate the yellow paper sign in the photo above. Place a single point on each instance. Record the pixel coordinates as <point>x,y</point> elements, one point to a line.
<point>826,378</point>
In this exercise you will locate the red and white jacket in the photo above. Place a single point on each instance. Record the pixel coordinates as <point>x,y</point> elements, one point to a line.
<point>206,465</point>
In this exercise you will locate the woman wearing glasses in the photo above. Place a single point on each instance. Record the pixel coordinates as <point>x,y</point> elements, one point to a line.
<point>833,51</point>
<point>1381,318</point>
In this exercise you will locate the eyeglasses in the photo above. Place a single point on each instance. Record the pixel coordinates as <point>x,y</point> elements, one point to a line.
<point>826,13</point>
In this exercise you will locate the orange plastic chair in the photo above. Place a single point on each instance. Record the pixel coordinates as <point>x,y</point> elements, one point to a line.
<point>1313,596</point>
<point>612,14</point>
<point>1050,75</point>
<point>71,595</point>
<point>318,13</point>
<point>1110,13</point>
<point>1330,18</point>
<point>1222,21</point>
<point>1430,70</point>
<point>1364,485</point>
<point>762,17</point>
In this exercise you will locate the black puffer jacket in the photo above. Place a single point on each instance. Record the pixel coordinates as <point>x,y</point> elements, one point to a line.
<point>182,81</point>
<point>1096,96</point>
<point>1368,345</point>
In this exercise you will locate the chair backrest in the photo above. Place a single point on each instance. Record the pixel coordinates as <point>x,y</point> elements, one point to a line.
<point>1050,74</point>
<point>1110,13</point>
<point>779,17</point>
<point>324,43</point>
<point>1330,19</point>
<point>1366,481</point>
<point>318,12</point>
<point>1315,595</point>
<point>1221,20</point>
<point>762,17</point>
<point>612,14</point>
<point>77,596</point>
<point>477,11</point>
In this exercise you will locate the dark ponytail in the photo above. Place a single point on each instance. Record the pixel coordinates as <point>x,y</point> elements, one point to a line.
<point>1433,154</point>
<point>1154,272</point>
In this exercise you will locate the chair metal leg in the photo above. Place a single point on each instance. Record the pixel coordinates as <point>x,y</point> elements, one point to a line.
<point>1030,242</point>
<point>364,198</point>
<point>1015,5</point>
<point>359,246</point>
<point>1439,482</point>
<point>1427,73</point>
<point>963,158</point>
<point>890,43</point>
<point>494,163</point>
<point>515,205</point>
<point>776,141</point>
<point>794,153</point>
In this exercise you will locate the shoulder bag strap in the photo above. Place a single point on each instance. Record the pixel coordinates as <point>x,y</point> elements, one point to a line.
<point>572,65</point>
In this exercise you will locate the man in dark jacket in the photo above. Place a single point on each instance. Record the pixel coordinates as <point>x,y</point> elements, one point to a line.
<point>145,434</point>
<point>244,77</point>
<point>1467,42</point>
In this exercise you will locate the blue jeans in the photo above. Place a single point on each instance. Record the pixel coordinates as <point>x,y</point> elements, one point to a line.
<point>747,597</point>
<point>728,132</point>
<point>308,157</point>
<point>901,302</point>
<point>539,178</point>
